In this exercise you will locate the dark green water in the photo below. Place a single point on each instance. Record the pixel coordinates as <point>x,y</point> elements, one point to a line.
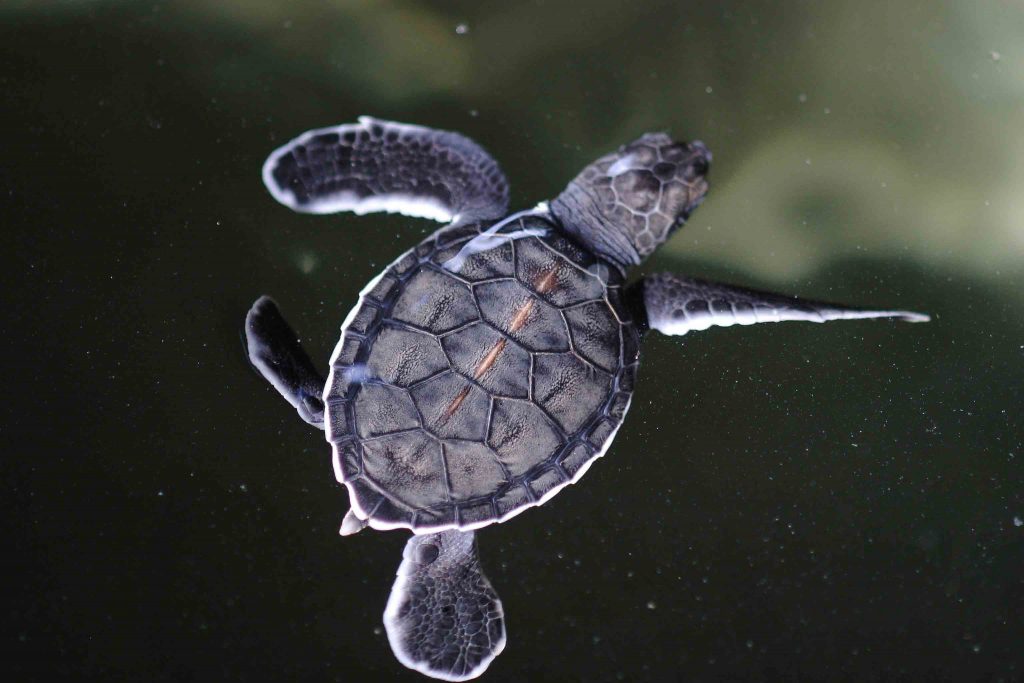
<point>785,502</point>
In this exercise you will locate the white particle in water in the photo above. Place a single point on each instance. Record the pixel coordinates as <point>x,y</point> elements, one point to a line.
<point>651,604</point>
<point>802,97</point>
<point>708,90</point>
<point>995,56</point>
<point>462,29</point>
<point>307,262</point>
<point>1017,521</point>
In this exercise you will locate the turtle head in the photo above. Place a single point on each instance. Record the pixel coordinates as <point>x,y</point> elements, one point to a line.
<point>625,204</point>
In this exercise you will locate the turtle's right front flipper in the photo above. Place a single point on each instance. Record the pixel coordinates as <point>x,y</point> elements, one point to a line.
<point>379,165</point>
<point>443,618</point>
<point>675,305</point>
<point>274,351</point>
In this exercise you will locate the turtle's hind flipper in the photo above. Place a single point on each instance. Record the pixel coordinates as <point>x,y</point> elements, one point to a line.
<point>274,351</point>
<point>443,618</point>
<point>676,305</point>
<point>379,165</point>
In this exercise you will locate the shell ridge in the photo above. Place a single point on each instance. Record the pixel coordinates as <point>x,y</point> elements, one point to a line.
<point>446,476</point>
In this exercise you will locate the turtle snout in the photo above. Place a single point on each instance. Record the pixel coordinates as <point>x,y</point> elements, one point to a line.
<point>692,169</point>
<point>701,161</point>
<point>701,150</point>
<point>685,161</point>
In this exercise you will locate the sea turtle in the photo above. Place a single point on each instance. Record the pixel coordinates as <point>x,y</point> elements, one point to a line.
<point>491,365</point>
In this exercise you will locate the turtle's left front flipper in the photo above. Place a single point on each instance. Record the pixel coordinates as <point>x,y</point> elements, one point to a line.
<point>443,618</point>
<point>376,165</point>
<point>676,305</point>
<point>274,351</point>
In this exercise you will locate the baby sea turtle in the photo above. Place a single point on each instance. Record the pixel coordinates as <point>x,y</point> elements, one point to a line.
<point>488,367</point>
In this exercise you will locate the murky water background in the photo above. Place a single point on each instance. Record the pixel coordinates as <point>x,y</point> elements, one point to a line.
<point>785,502</point>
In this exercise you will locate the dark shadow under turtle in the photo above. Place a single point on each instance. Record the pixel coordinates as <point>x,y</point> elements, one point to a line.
<point>489,366</point>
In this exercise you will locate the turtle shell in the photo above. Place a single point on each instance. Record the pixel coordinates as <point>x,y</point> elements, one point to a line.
<point>479,374</point>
